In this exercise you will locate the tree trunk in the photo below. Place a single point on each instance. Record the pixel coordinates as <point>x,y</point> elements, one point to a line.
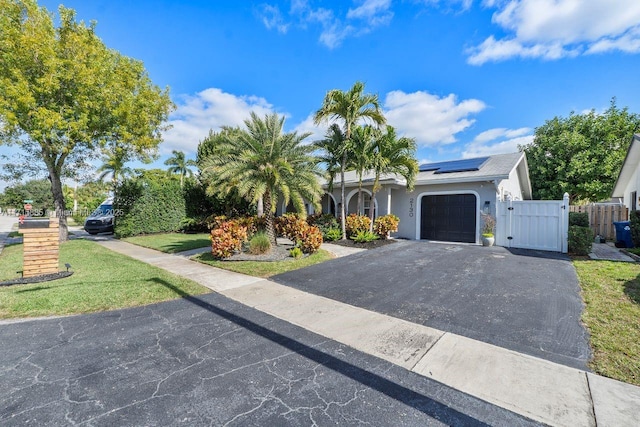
<point>360,211</point>
<point>343,216</point>
<point>371,208</point>
<point>268,218</point>
<point>260,208</point>
<point>58,202</point>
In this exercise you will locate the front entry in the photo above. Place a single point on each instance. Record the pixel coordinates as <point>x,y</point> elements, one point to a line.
<point>449,218</point>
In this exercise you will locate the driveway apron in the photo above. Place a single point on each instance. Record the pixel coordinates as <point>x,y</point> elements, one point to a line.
<point>527,301</point>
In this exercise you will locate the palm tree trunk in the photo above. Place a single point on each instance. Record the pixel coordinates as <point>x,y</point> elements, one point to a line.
<point>343,216</point>
<point>268,218</point>
<point>359,196</point>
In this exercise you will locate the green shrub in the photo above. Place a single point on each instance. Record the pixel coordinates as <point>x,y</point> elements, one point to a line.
<point>333,234</point>
<point>193,225</point>
<point>364,236</point>
<point>580,240</point>
<point>634,222</point>
<point>356,223</point>
<point>324,222</point>
<point>386,224</point>
<point>295,252</point>
<point>581,219</point>
<point>259,243</point>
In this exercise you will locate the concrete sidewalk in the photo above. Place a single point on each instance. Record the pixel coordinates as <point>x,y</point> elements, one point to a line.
<point>7,224</point>
<point>538,389</point>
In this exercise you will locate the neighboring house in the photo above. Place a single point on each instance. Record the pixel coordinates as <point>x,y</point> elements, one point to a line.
<point>448,200</point>
<point>627,185</point>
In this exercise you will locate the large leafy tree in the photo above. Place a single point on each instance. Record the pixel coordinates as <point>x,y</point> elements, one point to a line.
<point>262,162</point>
<point>64,95</point>
<point>392,155</point>
<point>38,190</point>
<point>581,154</point>
<point>178,164</point>
<point>348,108</point>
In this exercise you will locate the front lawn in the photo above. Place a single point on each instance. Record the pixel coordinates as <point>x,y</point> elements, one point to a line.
<point>102,280</point>
<point>611,292</point>
<point>264,268</point>
<point>171,242</point>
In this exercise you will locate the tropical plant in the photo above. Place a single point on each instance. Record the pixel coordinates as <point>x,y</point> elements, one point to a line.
<point>178,164</point>
<point>386,224</point>
<point>350,108</point>
<point>114,166</point>
<point>295,252</point>
<point>332,234</point>
<point>259,243</point>
<point>364,237</point>
<point>392,155</point>
<point>362,155</point>
<point>356,224</point>
<point>264,163</point>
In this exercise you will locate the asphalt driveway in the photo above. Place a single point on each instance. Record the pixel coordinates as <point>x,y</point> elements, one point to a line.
<point>527,301</point>
<point>210,361</point>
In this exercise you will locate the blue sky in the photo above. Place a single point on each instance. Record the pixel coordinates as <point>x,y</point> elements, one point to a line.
<point>464,78</point>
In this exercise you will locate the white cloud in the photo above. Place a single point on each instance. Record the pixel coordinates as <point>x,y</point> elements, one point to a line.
<point>498,141</point>
<point>209,109</point>
<point>272,18</point>
<point>450,4</point>
<point>428,118</point>
<point>373,12</point>
<point>307,125</point>
<point>553,29</point>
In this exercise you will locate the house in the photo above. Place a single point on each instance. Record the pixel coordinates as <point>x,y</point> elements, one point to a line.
<point>627,186</point>
<point>448,200</point>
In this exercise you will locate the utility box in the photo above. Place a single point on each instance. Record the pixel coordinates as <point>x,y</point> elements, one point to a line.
<point>41,245</point>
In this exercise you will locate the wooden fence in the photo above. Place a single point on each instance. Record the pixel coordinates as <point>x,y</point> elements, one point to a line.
<point>601,218</point>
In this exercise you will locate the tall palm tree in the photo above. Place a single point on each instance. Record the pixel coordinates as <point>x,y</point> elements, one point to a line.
<point>393,155</point>
<point>114,166</point>
<point>265,163</point>
<point>348,107</point>
<point>180,165</point>
<point>330,152</point>
<point>362,147</point>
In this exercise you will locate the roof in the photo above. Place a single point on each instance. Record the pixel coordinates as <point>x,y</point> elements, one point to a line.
<point>496,167</point>
<point>628,167</point>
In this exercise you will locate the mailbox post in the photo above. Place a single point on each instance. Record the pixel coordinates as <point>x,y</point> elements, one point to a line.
<point>41,244</point>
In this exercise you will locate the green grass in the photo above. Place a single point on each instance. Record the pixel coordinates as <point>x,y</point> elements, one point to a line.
<point>171,242</point>
<point>102,280</point>
<point>262,268</point>
<point>611,291</point>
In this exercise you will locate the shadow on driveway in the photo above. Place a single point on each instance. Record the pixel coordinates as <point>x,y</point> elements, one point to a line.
<point>527,301</point>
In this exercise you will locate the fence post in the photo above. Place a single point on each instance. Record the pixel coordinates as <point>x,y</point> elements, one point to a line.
<point>565,223</point>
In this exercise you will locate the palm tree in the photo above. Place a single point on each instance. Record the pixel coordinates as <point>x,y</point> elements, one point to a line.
<point>114,165</point>
<point>349,107</point>
<point>330,152</point>
<point>393,155</point>
<point>265,163</point>
<point>362,148</point>
<point>180,165</point>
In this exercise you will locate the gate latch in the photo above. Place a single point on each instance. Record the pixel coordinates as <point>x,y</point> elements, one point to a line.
<point>510,238</point>
<point>510,208</point>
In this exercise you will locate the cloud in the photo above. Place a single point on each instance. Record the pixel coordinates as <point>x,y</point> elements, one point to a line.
<point>334,26</point>
<point>428,118</point>
<point>554,29</point>
<point>209,109</point>
<point>498,141</point>
<point>307,125</point>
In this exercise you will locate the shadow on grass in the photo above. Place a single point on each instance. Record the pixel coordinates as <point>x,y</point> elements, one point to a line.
<point>37,288</point>
<point>424,404</point>
<point>188,245</point>
<point>632,289</point>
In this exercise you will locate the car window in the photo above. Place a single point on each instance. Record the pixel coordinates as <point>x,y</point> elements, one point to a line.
<point>103,210</point>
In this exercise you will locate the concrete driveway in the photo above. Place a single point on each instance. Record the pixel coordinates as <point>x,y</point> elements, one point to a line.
<point>527,301</point>
<point>210,361</point>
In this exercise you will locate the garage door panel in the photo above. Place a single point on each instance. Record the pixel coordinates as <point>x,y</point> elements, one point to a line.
<point>449,217</point>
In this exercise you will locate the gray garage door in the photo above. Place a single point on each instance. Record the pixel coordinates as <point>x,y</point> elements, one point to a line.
<point>449,218</point>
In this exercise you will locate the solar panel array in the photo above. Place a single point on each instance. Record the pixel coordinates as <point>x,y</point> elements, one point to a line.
<point>465,165</point>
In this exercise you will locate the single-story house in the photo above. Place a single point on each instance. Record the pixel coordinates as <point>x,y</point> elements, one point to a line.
<point>627,186</point>
<point>447,201</point>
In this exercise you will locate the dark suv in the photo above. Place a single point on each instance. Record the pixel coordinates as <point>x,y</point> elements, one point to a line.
<point>100,220</point>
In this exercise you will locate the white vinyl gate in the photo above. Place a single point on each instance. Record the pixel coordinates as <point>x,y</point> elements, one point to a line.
<point>533,224</point>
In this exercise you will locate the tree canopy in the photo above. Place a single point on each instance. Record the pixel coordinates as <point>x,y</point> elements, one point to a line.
<point>581,154</point>
<point>64,95</point>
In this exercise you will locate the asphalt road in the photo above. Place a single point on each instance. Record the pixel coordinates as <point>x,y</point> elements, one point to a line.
<point>211,361</point>
<point>527,301</point>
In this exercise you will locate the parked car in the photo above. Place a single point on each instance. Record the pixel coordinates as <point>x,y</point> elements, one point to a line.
<point>101,220</point>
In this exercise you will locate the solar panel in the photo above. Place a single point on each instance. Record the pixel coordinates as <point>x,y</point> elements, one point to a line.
<point>465,165</point>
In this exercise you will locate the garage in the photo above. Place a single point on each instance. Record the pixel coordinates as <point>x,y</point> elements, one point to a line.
<point>449,217</point>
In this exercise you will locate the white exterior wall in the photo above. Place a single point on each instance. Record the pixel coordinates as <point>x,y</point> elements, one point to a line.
<point>633,185</point>
<point>511,186</point>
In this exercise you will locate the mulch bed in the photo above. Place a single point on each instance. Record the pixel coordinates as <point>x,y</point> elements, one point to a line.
<point>277,253</point>
<point>37,279</point>
<point>367,245</point>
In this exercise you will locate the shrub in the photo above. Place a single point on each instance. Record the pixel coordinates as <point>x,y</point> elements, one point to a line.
<point>289,225</point>
<point>324,222</point>
<point>309,239</point>
<point>214,221</point>
<point>356,223</point>
<point>333,234</point>
<point>193,225</point>
<point>227,238</point>
<point>580,240</point>
<point>259,243</point>
<point>634,223</point>
<point>386,224</point>
<point>488,225</point>
<point>295,252</point>
<point>364,236</point>
<point>581,219</point>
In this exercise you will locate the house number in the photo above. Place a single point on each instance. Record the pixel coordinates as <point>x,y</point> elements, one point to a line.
<point>411,207</point>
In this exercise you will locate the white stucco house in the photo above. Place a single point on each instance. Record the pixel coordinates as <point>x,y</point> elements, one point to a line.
<point>627,186</point>
<point>447,201</point>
